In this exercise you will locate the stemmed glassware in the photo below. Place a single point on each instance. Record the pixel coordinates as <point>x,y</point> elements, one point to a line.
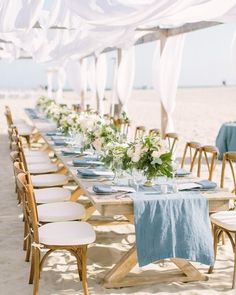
<point>138,178</point>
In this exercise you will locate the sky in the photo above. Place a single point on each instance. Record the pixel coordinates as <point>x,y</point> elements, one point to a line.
<point>206,61</point>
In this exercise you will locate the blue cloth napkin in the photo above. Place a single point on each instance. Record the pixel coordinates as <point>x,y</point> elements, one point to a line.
<point>206,184</point>
<point>173,225</point>
<point>103,188</point>
<point>53,133</point>
<point>85,172</point>
<point>86,162</point>
<point>182,172</point>
<point>59,142</point>
<point>70,152</point>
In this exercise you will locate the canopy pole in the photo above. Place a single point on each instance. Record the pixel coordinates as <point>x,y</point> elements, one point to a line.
<point>119,56</point>
<point>97,97</point>
<point>82,94</point>
<point>163,39</point>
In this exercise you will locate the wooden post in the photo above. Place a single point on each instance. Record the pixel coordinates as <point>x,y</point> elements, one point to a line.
<point>82,94</point>
<point>97,97</point>
<point>119,53</point>
<point>163,38</point>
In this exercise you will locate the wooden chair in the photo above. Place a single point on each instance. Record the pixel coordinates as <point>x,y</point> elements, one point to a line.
<point>225,221</point>
<point>50,212</point>
<point>172,139</point>
<point>155,131</point>
<point>73,236</point>
<point>76,107</point>
<point>122,125</point>
<point>194,150</point>
<point>210,154</point>
<point>139,132</point>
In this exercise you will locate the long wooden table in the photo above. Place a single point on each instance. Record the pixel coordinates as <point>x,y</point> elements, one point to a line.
<point>114,204</point>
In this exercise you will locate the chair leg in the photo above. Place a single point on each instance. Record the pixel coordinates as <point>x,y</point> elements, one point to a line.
<point>84,270</point>
<point>28,249</point>
<point>234,276</point>
<point>78,255</point>
<point>215,242</point>
<point>31,276</point>
<point>36,271</point>
<point>25,236</point>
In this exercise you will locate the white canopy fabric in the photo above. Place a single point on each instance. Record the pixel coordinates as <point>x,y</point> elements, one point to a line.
<point>166,70</point>
<point>61,79</point>
<point>101,78</point>
<point>125,76</point>
<point>96,25</point>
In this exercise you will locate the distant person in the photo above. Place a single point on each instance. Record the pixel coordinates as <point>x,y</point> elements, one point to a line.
<point>224,83</point>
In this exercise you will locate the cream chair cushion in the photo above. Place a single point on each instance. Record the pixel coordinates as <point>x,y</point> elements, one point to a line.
<point>66,233</point>
<point>48,180</point>
<point>52,195</point>
<point>37,159</point>
<point>61,211</point>
<point>225,219</point>
<point>34,153</point>
<point>42,168</point>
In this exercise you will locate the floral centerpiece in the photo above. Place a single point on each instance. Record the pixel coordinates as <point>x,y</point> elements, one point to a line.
<point>43,102</point>
<point>115,157</point>
<point>69,122</point>
<point>150,155</point>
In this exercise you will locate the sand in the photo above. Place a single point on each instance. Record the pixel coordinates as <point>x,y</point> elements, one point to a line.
<point>199,114</point>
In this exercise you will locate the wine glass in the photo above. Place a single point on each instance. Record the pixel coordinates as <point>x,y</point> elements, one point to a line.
<point>138,178</point>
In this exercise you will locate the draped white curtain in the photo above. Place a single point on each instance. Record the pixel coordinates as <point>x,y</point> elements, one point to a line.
<point>73,74</point>
<point>125,76</point>
<point>166,71</point>
<point>84,79</point>
<point>49,83</point>
<point>101,78</point>
<point>92,78</point>
<point>61,79</point>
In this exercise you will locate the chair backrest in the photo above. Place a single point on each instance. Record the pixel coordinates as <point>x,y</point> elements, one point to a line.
<point>209,154</point>
<point>194,151</point>
<point>122,125</point>
<point>139,131</point>
<point>229,157</point>
<point>172,139</point>
<point>29,205</point>
<point>8,115</point>
<point>155,131</point>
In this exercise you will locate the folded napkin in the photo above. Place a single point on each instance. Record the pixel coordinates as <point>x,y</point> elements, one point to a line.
<point>182,172</point>
<point>198,185</point>
<point>85,172</point>
<point>53,133</point>
<point>85,162</point>
<point>105,189</point>
<point>108,189</point>
<point>71,152</point>
<point>207,184</point>
<point>59,142</point>
<point>176,225</point>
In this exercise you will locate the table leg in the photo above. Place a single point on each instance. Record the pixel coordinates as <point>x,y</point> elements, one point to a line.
<point>118,276</point>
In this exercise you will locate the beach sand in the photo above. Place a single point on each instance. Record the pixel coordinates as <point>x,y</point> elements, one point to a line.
<point>198,116</point>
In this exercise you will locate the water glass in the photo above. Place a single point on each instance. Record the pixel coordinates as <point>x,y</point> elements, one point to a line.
<point>138,178</point>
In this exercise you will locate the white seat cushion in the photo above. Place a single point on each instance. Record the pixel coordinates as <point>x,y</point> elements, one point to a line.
<point>24,129</point>
<point>66,233</point>
<point>225,219</point>
<point>52,195</point>
<point>61,211</point>
<point>34,153</point>
<point>42,168</point>
<point>47,180</point>
<point>37,159</point>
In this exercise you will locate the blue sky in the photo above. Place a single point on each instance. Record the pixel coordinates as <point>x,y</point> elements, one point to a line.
<point>206,62</point>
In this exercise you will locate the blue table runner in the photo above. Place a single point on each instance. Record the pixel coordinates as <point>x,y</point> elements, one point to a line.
<point>172,225</point>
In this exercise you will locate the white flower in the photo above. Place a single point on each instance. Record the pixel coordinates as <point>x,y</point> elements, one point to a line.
<point>130,152</point>
<point>156,154</point>
<point>135,158</point>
